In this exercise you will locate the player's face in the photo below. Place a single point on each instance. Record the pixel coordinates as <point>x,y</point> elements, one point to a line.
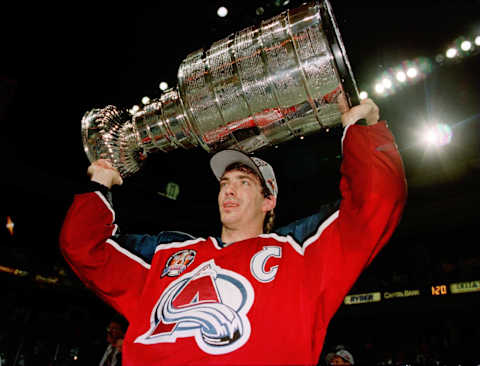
<point>240,200</point>
<point>114,332</point>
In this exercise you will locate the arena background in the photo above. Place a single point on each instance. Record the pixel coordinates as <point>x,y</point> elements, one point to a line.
<point>59,61</point>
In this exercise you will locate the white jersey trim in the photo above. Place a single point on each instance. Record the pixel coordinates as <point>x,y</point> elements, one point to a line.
<point>298,248</point>
<point>128,254</point>
<point>215,243</point>
<point>107,204</point>
<point>105,201</point>
<point>115,228</point>
<point>344,134</point>
<point>178,244</point>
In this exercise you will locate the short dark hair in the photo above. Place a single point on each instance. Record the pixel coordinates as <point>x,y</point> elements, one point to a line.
<point>270,216</point>
<point>119,319</point>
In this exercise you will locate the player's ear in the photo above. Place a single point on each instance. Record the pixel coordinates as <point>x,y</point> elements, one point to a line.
<point>269,203</point>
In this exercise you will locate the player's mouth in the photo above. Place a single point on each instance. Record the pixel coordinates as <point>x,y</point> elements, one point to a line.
<point>230,204</point>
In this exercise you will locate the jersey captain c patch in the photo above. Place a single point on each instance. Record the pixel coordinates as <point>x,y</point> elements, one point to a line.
<point>209,304</point>
<point>259,261</point>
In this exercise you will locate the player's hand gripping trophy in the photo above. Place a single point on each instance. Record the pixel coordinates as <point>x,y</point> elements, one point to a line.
<point>261,86</point>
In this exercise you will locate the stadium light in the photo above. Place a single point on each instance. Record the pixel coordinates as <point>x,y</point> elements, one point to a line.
<point>379,88</point>
<point>163,85</point>
<point>10,225</point>
<point>412,72</point>
<point>477,40</point>
<point>451,52</point>
<point>134,109</point>
<point>439,134</point>
<point>401,76</point>
<point>387,83</point>
<point>466,45</point>
<point>222,12</point>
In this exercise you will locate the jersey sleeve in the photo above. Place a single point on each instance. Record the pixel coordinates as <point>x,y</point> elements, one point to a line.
<point>374,191</point>
<point>87,241</point>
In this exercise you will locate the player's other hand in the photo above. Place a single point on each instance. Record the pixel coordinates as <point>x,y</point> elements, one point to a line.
<point>367,109</point>
<point>102,171</point>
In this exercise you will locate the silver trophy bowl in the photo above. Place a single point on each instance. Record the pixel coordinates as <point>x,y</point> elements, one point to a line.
<point>288,77</point>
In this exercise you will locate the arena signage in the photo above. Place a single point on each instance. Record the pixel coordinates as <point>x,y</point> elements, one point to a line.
<point>462,287</point>
<point>404,293</point>
<point>439,290</point>
<point>363,298</point>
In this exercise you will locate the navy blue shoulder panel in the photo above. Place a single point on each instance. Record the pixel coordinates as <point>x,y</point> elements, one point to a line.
<point>144,245</point>
<point>302,229</point>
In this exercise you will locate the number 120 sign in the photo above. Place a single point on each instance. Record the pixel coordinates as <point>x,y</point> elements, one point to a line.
<point>439,290</point>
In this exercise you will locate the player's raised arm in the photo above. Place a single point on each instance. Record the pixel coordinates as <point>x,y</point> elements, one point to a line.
<point>374,191</point>
<point>87,241</point>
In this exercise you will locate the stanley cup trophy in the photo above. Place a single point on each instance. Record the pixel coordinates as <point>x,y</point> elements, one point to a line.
<point>259,87</point>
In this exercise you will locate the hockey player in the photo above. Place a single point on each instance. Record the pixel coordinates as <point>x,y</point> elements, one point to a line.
<point>246,297</point>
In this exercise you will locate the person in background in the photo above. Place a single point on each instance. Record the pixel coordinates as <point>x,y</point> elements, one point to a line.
<point>115,334</point>
<point>341,356</point>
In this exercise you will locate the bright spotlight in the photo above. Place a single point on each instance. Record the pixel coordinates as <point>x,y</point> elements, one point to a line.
<point>222,12</point>
<point>401,76</point>
<point>430,136</point>
<point>451,52</point>
<point>163,85</point>
<point>379,88</point>
<point>387,83</point>
<point>466,45</point>
<point>438,135</point>
<point>477,40</point>
<point>412,72</point>
<point>145,100</point>
<point>363,95</point>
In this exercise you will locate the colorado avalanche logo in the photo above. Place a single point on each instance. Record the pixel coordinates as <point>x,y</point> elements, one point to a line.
<point>209,304</point>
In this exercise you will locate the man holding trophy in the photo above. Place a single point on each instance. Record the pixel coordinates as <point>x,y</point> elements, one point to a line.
<point>245,297</point>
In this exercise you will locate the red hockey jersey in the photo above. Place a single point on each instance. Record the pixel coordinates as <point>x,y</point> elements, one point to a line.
<point>262,301</point>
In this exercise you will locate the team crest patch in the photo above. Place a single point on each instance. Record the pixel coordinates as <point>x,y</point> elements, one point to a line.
<point>178,263</point>
<point>208,304</point>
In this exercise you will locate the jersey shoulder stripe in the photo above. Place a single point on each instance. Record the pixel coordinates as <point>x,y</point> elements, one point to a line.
<point>180,244</point>
<point>301,247</point>
<point>303,229</point>
<point>114,244</point>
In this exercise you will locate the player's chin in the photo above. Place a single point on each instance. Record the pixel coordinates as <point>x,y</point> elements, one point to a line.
<point>228,217</point>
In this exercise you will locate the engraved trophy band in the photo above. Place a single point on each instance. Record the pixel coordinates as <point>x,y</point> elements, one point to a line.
<point>288,77</point>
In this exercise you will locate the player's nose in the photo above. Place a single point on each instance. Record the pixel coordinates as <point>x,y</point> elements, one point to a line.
<point>229,190</point>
